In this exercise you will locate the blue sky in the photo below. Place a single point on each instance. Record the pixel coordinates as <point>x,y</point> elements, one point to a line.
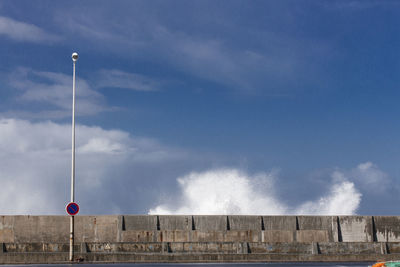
<point>295,101</point>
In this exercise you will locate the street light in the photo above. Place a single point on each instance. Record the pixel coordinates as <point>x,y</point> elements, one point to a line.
<point>71,235</point>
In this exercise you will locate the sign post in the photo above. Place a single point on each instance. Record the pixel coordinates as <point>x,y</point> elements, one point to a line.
<point>71,207</point>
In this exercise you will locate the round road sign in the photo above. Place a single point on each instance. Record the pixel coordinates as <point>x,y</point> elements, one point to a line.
<point>72,208</point>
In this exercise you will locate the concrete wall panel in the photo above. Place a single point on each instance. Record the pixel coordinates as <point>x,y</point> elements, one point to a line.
<point>139,236</point>
<point>356,228</point>
<point>143,228</point>
<point>327,223</point>
<point>174,236</point>
<point>96,228</point>
<point>6,236</point>
<point>107,228</point>
<point>210,222</point>
<point>349,247</point>
<point>237,222</point>
<point>308,236</point>
<point>175,222</point>
<point>279,222</point>
<point>242,236</point>
<point>387,228</point>
<point>41,229</point>
<point>140,222</point>
<point>207,236</point>
<point>394,248</point>
<point>85,228</point>
<point>314,222</point>
<point>277,236</point>
<point>6,229</point>
<point>285,248</point>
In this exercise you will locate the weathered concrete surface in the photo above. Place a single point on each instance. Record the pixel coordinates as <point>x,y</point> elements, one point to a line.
<point>39,228</point>
<point>356,228</point>
<point>152,228</point>
<point>279,223</point>
<point>209,247</point>
<point>325,223</point>
<point>96,228</point>
<point>152,238</point>
<point>244,222</point>
<point>307,236</point>
<point>140,222</point>
<point>277,236</point>
<point>387,228</point>
<point>18,258</point>
<point>175,222</point>
<point>210,222</point>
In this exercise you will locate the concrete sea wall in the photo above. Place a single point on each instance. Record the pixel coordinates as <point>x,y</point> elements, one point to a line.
<point>198,238</point>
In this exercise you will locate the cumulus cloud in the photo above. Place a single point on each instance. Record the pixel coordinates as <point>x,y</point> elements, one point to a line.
<point>24,32</point>
<point>370,177</point>
<point>120,173</point>
<point>230,191</point>
<point>35,161</point>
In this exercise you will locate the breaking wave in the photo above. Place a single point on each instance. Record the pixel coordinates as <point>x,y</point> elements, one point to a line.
<point>231,191</point>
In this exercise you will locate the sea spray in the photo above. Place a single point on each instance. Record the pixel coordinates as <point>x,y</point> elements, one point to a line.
<point>231,191</point>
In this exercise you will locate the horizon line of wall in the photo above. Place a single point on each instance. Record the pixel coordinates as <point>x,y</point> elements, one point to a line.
<point>200,228</point>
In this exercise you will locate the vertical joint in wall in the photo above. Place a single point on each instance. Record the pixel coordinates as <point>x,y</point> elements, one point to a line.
<point>315,248</point>
<point>384,248</point>
<point>120,229</point>
<point>228,226</point>
<point>373,229</point>
<point>158,223</point>
<point>193,225</point>
<point>339,230</point>
<point>121,223</point>
<point>262,224</point>
<point>248,248</point>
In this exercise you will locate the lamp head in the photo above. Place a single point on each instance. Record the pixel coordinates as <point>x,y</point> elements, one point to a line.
<point>74,56</point>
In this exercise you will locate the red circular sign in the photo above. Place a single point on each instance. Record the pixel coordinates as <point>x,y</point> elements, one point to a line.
<point>72,208</point>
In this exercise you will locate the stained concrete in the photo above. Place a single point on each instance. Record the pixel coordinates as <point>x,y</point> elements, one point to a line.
<point>210,222</point>
<point>279,223</point>
<point>148,238</point>
<point>356,228</point>
<point>171,222</point>
<point>387,228</point>
<point>140,222</point>
<point>241,222</point>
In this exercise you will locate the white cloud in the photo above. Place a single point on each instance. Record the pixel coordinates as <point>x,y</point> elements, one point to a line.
<point>35,162</point>
<point>370,177</point>
<point>126,174</point>
<point>53,91</point>
<point>121,79</point>
<point>24,32</point>
<point>230,191</point>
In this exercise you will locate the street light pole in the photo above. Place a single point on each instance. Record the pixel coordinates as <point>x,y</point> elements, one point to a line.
<point>71,235</point>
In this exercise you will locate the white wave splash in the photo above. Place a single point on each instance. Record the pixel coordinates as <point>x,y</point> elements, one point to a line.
<point>343,199</point>
<point>230,191</point>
